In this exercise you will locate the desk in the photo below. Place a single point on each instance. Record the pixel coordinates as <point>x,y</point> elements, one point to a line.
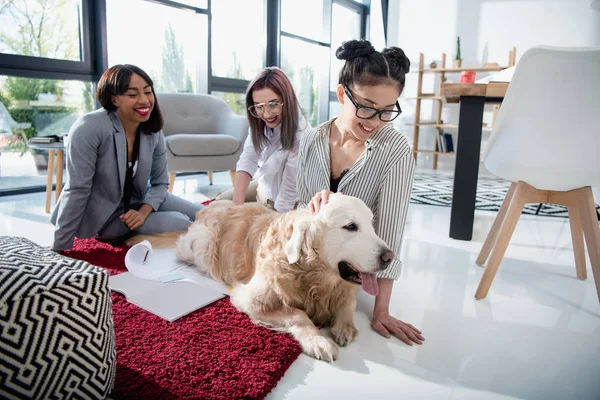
<point>472,97</point>
<point>53,149</point>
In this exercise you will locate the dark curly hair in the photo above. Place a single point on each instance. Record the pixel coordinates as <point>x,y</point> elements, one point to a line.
<point>366,66</point>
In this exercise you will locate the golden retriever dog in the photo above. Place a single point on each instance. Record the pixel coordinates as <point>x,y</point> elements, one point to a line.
<point>289,271</point>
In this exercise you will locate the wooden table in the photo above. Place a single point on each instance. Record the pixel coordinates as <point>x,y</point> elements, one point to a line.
<point>472,98</point>
<point>54,149</point>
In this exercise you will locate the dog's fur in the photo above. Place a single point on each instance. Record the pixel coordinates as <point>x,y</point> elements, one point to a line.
<point>284,268</point>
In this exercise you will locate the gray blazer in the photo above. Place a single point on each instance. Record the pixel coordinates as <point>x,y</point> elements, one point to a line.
<point>96,165</point>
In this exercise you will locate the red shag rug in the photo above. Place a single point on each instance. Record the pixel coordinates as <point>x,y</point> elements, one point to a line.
<point>213,353</point>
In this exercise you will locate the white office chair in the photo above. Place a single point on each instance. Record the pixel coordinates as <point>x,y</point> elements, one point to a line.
<point>546,141</point>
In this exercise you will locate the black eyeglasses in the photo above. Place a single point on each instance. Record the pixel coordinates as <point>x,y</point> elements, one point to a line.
<point>364,112</point>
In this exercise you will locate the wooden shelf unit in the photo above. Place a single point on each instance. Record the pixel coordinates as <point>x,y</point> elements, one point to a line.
<point>438,123</point>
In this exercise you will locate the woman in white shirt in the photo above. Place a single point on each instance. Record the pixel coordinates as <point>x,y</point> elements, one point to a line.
<point>360,154</point>
<point>271,149</point>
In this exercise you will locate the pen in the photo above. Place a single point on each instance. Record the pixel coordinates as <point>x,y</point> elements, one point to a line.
<point>146,256</point>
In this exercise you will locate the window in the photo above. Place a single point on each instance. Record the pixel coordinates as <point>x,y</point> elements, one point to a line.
<point>347,24</point>
<point>305,18</point>
<point>35,107</point>
<point>172,48</point>
<point>235,101</point>
<point>48,29</point>
<point>306,66</point>
<point>238,38</point>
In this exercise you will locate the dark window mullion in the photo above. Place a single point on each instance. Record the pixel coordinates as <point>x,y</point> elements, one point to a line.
<point>304,39</point>
<point>219,84</point>
<point>18,63</point>
<point>182,6</point>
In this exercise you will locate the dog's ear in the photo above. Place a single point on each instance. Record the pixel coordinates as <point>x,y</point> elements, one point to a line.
<point>302,235</point>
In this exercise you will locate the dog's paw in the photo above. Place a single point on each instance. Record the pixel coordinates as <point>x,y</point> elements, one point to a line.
<point>320,347</point>
<point>344,334</point>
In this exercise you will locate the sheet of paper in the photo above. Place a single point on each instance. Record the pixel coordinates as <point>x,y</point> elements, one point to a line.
<point>163,262</point>
<point>170,301</point>
<point>163,284</point>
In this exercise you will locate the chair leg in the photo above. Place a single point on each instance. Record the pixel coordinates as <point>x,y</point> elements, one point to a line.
<point>172,176</point>
<point>210,177</point>
<point>587,210</point>
<point>232,176</point>
<point>488,245</point>
<point>510,222</point>
<point>578,246</point>
<point>50,179</point>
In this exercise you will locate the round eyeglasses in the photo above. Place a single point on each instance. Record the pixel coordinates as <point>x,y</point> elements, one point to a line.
<point>364,112</point>
<point>274,108</point>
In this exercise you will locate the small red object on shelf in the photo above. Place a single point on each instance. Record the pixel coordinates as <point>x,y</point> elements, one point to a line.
<point>467,77</point>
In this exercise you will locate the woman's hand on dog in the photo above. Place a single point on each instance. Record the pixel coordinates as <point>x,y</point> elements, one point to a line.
<point>319,200</point>
<point>384,323</point>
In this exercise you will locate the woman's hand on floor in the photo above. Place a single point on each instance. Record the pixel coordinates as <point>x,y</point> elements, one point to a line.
<point>384,323</point>
<point>133,219</point>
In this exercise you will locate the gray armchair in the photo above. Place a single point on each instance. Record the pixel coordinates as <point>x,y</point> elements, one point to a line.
<point>202,134</point>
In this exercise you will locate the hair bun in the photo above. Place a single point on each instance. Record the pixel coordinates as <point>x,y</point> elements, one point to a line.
<point>396,54</point>
<point>354,48</point>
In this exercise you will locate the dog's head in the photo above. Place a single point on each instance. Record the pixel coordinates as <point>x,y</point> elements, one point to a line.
<point>347,241</point>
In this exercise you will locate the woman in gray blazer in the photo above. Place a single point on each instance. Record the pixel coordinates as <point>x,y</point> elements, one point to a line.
<point>117,167</point>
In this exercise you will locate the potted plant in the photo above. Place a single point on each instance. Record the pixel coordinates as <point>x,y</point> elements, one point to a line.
<point>457,60</point>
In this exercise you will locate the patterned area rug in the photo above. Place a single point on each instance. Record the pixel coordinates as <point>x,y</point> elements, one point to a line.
<point>436,190</point>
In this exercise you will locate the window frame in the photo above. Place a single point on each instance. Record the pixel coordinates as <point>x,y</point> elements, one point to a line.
<point>93,50</point>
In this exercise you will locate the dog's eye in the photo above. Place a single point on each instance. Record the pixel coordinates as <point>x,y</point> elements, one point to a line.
<point>351,227</point>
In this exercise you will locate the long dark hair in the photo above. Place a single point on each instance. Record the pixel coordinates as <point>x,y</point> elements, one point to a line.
<point>276,80</point>
<point>115,81</point>
<point>366,66</point>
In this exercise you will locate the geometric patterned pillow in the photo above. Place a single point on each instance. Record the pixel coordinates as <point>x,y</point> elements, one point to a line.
<point>57,337</point>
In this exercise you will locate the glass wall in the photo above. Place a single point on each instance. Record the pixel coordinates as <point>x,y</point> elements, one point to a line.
<point>35,108</point>
<point>52,52</point>
<point>235,101</point>
<point>306,65</point>
<point>347,24</point>
<point>238,38</point>
<point>173,51</point>
<point>48,29</point>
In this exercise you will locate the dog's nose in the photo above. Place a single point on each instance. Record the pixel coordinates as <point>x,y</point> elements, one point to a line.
<point>387,256</point>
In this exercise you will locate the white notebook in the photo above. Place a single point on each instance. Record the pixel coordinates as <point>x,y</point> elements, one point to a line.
<point>164,285</point>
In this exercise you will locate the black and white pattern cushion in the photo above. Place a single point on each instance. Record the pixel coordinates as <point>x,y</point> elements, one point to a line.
<point>57,337</point>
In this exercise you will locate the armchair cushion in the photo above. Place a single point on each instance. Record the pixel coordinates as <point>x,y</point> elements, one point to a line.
<point>189,144</point>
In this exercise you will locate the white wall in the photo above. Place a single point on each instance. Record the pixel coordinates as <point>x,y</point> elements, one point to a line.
<point>488,30</point>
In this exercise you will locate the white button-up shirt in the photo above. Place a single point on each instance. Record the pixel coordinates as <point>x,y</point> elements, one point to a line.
<point>276,167</point>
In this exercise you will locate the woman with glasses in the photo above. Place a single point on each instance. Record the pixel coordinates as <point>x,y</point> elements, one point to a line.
<point>271,149</point>
<point>361,154</point>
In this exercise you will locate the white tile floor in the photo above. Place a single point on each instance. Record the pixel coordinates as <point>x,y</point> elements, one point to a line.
<point>536,336</point>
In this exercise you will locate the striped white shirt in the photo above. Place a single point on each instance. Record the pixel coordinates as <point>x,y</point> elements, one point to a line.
<point>382,177</point>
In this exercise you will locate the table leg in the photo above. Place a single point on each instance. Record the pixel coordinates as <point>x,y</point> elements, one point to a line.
<point>50,179</point>
<point>466,170</point>
<point>60,165</point>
